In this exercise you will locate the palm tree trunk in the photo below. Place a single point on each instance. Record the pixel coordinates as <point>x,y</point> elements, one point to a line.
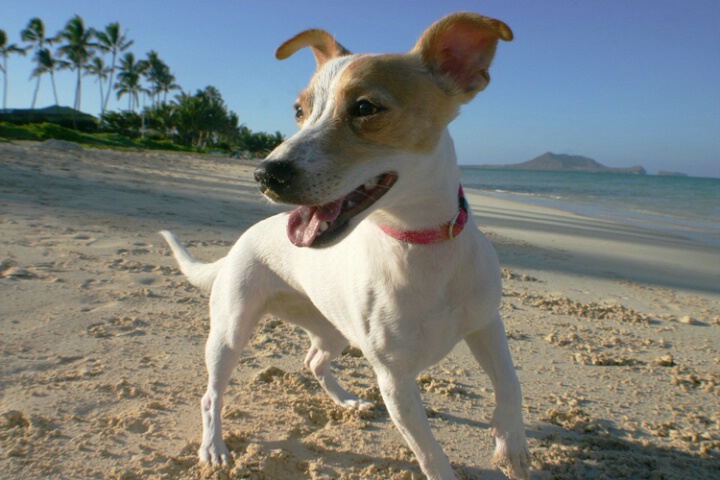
<point>102,110</point>
<point>110,83</point>
<point>77,98</point>
<point>78,89</point>
<point>52,77</point>
<point>35,94</point>
<point>5,82</point>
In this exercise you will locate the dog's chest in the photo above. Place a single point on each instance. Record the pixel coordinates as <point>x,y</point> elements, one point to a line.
<point>403,295</point>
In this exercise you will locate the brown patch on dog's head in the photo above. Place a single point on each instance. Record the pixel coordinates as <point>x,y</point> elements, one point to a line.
<point>391,101</point>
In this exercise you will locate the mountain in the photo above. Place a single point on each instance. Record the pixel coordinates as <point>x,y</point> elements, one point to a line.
<point>568,163</point>
<point>64,116</point>
<point>53,111</point>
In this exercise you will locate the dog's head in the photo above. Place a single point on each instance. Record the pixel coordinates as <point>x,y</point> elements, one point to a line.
<point>364,119</point>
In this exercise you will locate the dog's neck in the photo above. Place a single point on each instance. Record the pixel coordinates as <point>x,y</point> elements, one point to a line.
<point>446,231</point>
<point>433,199</point>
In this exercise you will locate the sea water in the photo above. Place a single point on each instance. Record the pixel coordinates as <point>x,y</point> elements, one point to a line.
<point>688,206</point>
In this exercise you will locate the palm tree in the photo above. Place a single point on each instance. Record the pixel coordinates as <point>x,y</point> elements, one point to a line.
<point>153,68</point>
<point>166,84</point>
<point>46,63</point>
<point>129,80</point>
<point>162,119</point>
<point>35,35</point>
<point>191,114</point>
<point>158,74</point>
<point>202,120</point>
<point>5,51</point>
<point>112,41</point>
<point>78,49</point>
<point>97,68</point>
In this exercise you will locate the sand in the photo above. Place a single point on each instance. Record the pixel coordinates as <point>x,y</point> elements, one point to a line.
<point>614,331</point>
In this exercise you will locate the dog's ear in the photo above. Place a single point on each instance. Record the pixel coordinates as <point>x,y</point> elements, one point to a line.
<point>459,50</point>
<point>323,46</point>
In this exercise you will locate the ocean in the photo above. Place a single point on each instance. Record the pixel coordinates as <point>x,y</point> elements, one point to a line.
<point>687,206</point>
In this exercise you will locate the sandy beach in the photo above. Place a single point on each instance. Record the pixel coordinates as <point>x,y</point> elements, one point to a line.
<point>614,331</point>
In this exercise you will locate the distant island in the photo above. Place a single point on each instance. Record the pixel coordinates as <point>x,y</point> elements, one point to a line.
<point>567,163</point>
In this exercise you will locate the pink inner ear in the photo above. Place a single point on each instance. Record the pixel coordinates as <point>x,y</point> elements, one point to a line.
<point>465,54</point>
<point>469,76</point>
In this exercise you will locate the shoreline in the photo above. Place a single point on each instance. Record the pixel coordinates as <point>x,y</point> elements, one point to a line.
<point>633,252</point>
<point>613,330</point>
<point>700,231</point>
<point>679,205</point>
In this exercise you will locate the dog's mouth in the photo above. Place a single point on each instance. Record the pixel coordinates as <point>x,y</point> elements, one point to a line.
<point>318,225</point>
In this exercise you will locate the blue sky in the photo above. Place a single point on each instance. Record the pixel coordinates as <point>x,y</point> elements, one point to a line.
<point>626,82</point>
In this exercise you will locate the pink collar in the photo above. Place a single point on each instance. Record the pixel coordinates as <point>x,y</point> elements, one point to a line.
<point>446,231</point>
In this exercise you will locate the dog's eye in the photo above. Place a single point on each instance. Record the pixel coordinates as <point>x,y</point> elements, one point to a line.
<point>363,108</point>
<point>299,114</point>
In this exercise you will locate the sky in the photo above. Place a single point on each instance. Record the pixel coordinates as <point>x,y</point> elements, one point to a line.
<point>624,82</point>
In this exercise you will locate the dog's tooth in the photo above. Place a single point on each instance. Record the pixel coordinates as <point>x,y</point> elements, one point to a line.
<point>324,226</point>
<point>370,184</point>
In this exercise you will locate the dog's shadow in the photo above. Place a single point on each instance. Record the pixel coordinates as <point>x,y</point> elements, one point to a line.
<point>598,450</point>
<point>604,451</point>
<point>326,462</point>
<point>557,453</point>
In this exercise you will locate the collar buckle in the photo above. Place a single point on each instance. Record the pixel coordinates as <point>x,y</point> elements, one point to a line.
<point>451,226</point>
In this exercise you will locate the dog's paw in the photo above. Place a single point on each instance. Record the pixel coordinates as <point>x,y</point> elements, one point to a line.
<point>512,456</point>
<point>356,403</point>
<point>215,454</point>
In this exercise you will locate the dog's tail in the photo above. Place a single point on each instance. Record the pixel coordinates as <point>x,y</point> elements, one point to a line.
<point>201,275</point>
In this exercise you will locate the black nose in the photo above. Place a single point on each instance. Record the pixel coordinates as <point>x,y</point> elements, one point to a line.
<point>275,175</point>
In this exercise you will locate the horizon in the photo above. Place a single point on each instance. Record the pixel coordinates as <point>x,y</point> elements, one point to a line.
<point>623,83</point>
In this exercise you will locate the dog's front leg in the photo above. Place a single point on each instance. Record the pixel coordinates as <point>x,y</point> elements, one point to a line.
<point>220,362</point>
<point>402,399</point>
<point>233,316</point>
<point>221,357</point>
<point>490,348</point>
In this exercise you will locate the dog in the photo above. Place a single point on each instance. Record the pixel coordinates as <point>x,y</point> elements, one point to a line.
<point>381,251</point>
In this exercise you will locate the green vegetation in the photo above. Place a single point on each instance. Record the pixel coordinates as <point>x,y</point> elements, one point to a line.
<point>47,131</point>
<point>190,122</point>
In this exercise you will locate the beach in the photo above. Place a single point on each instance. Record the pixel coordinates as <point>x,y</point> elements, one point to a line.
<point>614,330</point>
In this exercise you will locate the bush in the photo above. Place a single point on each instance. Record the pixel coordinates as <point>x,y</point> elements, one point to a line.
<point>16,132</point>
<point>51,130</point>
<point>39,132</point>
<point>126,123</point>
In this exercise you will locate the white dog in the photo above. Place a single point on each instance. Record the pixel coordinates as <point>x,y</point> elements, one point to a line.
<point>382,250</point>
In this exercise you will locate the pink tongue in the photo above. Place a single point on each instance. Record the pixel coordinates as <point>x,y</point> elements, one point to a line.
<point>304,222</point>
